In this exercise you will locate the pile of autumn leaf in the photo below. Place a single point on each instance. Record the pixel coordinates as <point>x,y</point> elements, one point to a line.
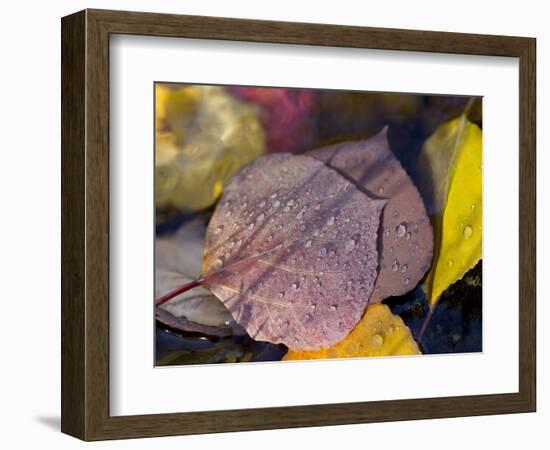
<point>303,249</point>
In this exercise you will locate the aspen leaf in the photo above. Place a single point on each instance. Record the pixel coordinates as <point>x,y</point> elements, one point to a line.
<point>379,333</point>
<point>291,251</point>
<point>203,136</point>
<point>405,237</point>
<point>452,157</point>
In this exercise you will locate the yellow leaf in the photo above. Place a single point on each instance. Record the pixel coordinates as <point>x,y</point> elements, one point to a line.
<point>203,136</point>
<point>161,96</point>
<point>453,157</point>
<point>379,333</point>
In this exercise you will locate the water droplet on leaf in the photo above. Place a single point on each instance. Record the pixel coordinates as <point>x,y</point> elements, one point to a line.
<point>401,229</point>
<point>349,245</point>
<point>377,341</point>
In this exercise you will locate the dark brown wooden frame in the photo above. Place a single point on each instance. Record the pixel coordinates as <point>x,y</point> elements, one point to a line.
<point>85,224</point>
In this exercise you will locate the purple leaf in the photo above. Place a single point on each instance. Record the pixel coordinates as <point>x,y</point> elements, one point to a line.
<point>406,236</point>
<point>291,251</point>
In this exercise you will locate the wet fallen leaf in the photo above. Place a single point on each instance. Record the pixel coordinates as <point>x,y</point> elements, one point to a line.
<point>181,324</point>
<point>451,163</point>
<point>178,260</point>
<point>203,137</point>
<point>288,115</point>
<point>291,251</point>
<point>406,236</point>
<point>379,333</point>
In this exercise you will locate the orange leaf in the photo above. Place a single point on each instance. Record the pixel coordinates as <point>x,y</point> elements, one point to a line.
<point>379,333</point>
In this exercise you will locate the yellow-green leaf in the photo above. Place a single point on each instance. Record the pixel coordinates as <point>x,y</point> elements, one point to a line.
<point>203,136</point>
<point>452,157</point>
<point>379,333</point>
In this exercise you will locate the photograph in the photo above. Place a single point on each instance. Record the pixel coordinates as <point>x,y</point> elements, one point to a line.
<point>304,224</point>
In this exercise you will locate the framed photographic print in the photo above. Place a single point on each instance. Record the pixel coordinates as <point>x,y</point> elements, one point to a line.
<point>271,224</point>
